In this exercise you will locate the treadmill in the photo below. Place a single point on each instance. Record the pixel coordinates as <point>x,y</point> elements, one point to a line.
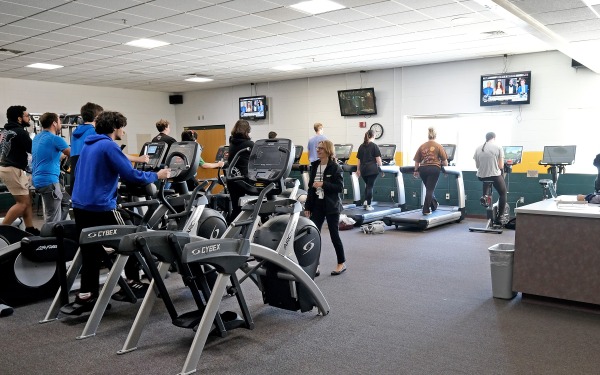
<point>302,168</point>
<point>443,214</point>
<point>342,154</point>
<point>380,210</point>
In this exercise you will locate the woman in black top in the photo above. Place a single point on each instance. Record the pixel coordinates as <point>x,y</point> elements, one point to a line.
<point>240,139</point>
<point>323,201</point>
<point>369,161</point>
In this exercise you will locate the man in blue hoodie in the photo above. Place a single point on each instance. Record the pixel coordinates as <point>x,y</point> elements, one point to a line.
<point>94,198</point>
<point>88,113</point>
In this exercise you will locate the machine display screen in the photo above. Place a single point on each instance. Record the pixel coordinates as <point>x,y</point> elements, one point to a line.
<point>343,151</point>
<point>269,157</point>
<point>152,149</point>
<point>513,154</point>
<point>559,155</point>
<point>450,150</point>
<point>387,151</point>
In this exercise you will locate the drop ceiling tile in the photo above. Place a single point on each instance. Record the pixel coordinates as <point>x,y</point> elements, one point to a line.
<point>250,6</point>
<point>150,11</point>
<point>383,8</point>
<point>225,49</point>
<point>198,44</point>
<point>194,33</point>
<point>562,16</point>
<point>80,32</point>
<point>575,27</point>
<point>344,16</point>
<point>113,5</point>
<point>221,27</point>
<point>334,30</point>
<point>188,20</point>
<point>102,25</point>
<point>137,33</point>
<point>405,18</point>
<point>278,28</point>
<point>7,18</point>
<point>282,14</point>
<point>125,19</point>
<point>182,5</point>
<point>310,23</point>
<point>19,10</point>
<point>218,13</point>
<point>77,8</point>
<point>24,32</point>
<point>249,34</point>
<point>159,27</point>
<point>250,20</point>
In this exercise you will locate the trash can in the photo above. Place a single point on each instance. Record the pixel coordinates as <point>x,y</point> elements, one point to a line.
<point>501,264</point>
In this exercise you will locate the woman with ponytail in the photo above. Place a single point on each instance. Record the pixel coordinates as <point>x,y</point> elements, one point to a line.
<point>429,159</point>
<point>369,161</point>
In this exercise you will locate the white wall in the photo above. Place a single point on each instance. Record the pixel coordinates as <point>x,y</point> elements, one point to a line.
<point>563,102</point>
<point>142,108</point>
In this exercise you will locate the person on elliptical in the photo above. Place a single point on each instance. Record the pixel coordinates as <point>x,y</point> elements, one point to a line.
<point>47,150</point>
<point>192,136</point>
<point>323,201</point>
<point>429,158</point>
<point>99,167</point>
<point>15,144</point>
<point>239,140</point>
<point>369,161</point>
<point>489,160</point>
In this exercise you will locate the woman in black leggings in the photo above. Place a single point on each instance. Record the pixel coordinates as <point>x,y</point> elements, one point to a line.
<point>429,159</point>
<point>369,161</point>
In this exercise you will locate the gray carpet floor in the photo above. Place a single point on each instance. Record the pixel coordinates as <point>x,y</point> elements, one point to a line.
<point>411,302</point>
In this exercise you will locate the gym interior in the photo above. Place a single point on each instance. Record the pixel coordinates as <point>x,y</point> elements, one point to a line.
<point>412,301</point>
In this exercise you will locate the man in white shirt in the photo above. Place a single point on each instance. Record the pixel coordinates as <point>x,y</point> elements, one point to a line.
<point>489,159</point>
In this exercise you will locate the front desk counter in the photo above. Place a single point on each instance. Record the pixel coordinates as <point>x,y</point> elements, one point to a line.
<point>557,250</point>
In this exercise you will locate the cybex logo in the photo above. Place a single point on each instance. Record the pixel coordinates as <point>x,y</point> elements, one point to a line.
<point>215,233</point>
<point>308,246</point>
<point>102,233</point>
<point>207,249</point>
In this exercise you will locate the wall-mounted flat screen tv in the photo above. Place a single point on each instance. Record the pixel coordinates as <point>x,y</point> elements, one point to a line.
<point>253,108</point>
<point>357,102</point>
<point>505,89</point>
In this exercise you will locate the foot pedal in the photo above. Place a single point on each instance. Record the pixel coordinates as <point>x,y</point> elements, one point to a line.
<point>188,320</point>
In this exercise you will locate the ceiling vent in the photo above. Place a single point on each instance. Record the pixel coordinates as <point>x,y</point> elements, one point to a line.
<point>9,52</point>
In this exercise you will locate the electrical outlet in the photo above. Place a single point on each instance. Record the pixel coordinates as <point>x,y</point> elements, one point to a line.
<point>521,200</point>
<point>447,195</point>
<point>414,194</point>
<point>345,191</point>
<point>392,193</point>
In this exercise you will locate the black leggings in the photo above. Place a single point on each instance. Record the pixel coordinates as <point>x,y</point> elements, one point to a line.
<point>369,183</point>
<point>430,175</point>
<point>333,222</point>
<point>500,186</point>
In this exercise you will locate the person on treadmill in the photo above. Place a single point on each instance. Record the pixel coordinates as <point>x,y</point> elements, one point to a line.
<point>429,158</point>
<point>369,161</point>
<point>94,198</point>
<point>323,201</point>
<point>489,160</point>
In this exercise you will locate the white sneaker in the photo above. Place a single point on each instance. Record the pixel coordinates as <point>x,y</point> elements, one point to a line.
<point>369,208</point>
<point>365,205</point>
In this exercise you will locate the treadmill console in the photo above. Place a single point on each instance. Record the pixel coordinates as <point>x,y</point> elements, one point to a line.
<point>388,152</point>
<point>156,152</point>
<point>298,154</point>
<point>450,151</point>
<point>343,152</point>
<point>183,159</point>
<point>270,161</point>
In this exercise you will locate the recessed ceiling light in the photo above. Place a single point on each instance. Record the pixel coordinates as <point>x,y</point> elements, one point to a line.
<point>44,66</point>
<point>287,68</point>
<point>317,6</point>
<point>146,43</point>
<point>198,79</point>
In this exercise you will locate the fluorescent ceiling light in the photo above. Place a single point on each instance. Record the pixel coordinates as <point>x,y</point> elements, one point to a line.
<point>146,43</point>
<point>198,79</point>
<point>287,68</point>
<point>592,2</point>
<point>317,6</point>
<point>44,66</point>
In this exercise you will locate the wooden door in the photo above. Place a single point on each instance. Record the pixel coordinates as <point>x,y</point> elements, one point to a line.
<point>210,137</point>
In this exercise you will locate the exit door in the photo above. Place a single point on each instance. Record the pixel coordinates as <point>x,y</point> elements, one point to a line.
<point>210,137</point>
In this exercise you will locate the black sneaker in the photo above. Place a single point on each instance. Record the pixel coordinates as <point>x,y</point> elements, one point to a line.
<point>138,288</point>
<point>32,231</point>
<point>79,306</point>
<point>434,204</point>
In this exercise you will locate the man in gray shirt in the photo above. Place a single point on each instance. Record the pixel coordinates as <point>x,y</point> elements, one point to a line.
<point>489,159</point>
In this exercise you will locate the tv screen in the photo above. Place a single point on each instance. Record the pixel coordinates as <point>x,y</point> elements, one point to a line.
<point>505,88</point>
<point>358,102</point>
<point>253,108</point>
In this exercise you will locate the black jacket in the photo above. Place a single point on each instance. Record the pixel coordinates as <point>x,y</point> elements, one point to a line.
<point>15,143</point>
<point>333,185</point>
<point>236,144</point>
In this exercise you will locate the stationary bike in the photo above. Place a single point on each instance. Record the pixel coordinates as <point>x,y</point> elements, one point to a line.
<point>494,223</point>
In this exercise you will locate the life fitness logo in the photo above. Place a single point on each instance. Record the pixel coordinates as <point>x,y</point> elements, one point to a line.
<point>207,249</point>
<point>102,233</point>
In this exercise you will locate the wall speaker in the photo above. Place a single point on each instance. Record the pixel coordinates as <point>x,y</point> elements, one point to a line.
<point>175,99</point>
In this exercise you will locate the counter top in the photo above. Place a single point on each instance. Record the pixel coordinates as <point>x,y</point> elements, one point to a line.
<point>563,205</point>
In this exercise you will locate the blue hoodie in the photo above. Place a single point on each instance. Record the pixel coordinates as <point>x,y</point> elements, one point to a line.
<point>78,137</point>
<point>99,167</point>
